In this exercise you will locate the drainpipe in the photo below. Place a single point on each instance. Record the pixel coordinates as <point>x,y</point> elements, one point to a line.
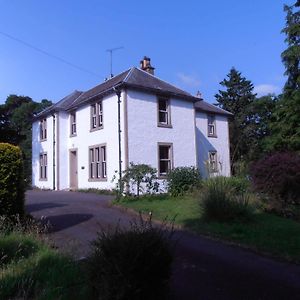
<point>118,93</point>
<point>53,151</point>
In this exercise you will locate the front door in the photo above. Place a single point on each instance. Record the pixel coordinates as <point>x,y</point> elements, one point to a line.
<point>73,170</point>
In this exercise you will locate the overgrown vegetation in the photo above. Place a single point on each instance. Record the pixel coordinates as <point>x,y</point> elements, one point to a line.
<point>183,179</point>
<point>140,178</point>
<point>11,181</point>
<point>131,264</point>
<point>224,199</point>
<point>277,177</point>
<point>30,269</point>
<point>265,233</point>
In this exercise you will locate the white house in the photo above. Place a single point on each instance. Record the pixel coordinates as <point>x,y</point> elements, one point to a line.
<point>81,141</point>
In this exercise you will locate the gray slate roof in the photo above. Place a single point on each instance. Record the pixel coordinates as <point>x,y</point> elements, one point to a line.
<point>207,107</point>
<point>133,78</point>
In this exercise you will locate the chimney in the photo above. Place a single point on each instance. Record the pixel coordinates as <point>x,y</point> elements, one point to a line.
<point>146,65</point>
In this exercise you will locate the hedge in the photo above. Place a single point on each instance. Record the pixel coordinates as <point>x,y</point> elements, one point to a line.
<point>12,192</point>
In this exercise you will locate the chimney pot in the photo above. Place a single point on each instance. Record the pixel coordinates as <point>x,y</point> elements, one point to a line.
<point>146,65</point>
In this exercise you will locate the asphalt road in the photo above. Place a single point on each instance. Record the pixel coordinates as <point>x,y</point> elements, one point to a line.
<point>203,268</point>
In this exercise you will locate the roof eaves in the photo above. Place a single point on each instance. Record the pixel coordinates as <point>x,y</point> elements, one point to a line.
<point>161,92</point>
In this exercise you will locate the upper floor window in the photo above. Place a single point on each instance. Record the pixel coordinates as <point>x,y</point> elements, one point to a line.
<point>96,115</point>
<point>97,166</point>
<point>43,129</point>
<point>211,125</point>
<point>43,166</point>
<point>213,161</point>
<point>73,123</point>
<point>165,159</point>
<point>164,113</point>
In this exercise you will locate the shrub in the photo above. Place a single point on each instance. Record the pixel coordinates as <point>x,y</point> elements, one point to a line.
<point>182,179</point>
<point>143,176</point>
<point>278,175</point>
<point>11,180</point>
<point>221,202</point>
<point>133,264</point>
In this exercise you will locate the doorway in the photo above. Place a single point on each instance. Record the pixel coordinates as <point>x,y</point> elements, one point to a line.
<point>73,170</point>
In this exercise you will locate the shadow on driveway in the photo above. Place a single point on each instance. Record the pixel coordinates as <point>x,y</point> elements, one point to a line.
<point>61,222</point>
<point>40,206</point>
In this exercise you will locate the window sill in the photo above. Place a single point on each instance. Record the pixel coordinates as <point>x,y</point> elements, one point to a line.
<point>212,135</point>
<point>43,179</point>
<point>72,135</point>
<point>95,129</point>
<point>164,125</point>
<point>43,140</point>
<point>97,179</point>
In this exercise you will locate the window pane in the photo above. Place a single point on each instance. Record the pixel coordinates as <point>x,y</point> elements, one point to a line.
<point>163,117</point>
<point>164,167</point>
<point>162,104</point>
<point>164,152</point>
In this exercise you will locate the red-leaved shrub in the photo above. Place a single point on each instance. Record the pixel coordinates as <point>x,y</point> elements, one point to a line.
<point>278,175</point>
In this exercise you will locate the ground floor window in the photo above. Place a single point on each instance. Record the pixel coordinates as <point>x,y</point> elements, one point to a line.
<point>43,166</point>
<point>97,162</point>
<point>165,159</point>
<point>213,161</point>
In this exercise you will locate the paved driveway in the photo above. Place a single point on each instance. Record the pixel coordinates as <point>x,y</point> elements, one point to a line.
<point>203,269</point>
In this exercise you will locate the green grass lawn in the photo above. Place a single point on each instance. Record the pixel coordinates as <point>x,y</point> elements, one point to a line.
<point>29,269</point>
<point>267,233</point>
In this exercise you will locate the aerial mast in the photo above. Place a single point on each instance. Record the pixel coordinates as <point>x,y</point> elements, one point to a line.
<point>111,56</point>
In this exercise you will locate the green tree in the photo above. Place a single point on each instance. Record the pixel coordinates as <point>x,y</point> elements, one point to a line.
<point>291,56</point>
<point>285,122</point>
<point>15,124</point>
<point>237,98</point>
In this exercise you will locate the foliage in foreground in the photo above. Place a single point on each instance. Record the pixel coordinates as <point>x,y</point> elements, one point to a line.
<point>182,179</point>
<point>12,192</point>
<point>30,269</point>
<point>133,264</point>
<point>222,200</point>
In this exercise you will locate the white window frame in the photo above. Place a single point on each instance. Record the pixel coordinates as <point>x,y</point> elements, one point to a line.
<point>211,126</point>
<point>166,112</point>
<point>213,161</point>
<point>73,125</point>
<point>43,166</point>
<point>169,159</point>
<point>43,129</point>
<point>97,115</point>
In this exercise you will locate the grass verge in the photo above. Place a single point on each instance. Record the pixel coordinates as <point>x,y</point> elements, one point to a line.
<point>31,269</point>
<point>266,233</point>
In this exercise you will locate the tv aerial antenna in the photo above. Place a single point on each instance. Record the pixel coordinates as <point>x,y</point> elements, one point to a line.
<point>111,58</point>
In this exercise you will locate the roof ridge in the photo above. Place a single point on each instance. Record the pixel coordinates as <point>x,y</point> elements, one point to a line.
<point>156,77</point>
<point>129,73</point>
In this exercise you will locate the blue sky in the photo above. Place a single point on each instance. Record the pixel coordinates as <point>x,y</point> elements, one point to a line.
<point>192,44</point>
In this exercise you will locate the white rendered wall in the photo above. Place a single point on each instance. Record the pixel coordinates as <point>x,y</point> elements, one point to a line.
<point>62,161</point>
<point>144,133</point>
<point>39,147</point>
<point>86,138</point>
<point>219,144</point>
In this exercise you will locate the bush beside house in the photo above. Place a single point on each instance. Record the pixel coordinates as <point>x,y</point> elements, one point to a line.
<point>11,180</point>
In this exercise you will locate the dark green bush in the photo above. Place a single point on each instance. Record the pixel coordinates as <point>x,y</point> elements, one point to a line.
<point>182,179</point>
<point>133,264</point>
<point>278,176</point>
<point>220,201</point>
<point>12,192</point>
